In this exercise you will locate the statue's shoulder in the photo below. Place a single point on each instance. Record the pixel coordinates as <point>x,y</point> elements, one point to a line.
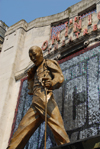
<point>32,69</point>
<point>53,64</point>
<point>50,61</point>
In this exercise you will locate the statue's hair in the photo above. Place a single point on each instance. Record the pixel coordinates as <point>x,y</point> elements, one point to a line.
<point>35,48</point>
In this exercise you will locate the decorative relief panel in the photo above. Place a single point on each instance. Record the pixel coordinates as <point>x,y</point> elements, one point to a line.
<point>82,95</point>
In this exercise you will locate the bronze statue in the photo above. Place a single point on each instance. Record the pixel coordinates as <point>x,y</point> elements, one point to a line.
<point>45,74</point>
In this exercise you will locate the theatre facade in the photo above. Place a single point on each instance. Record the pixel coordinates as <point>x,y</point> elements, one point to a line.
<point>71,37</point>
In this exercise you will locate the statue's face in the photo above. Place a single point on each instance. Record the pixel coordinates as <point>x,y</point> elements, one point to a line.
<point>36,56</point>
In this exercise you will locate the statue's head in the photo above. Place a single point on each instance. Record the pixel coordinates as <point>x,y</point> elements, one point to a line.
<point>36,55</point>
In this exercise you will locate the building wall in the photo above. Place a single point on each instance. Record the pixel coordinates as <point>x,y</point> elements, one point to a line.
<point>14,58</point>
<point>78,99</point>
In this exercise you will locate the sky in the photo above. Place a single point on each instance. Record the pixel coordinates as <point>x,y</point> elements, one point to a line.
<point>12,11</point>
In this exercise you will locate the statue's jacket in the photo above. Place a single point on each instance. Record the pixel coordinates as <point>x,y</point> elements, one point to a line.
<point>48,69</point>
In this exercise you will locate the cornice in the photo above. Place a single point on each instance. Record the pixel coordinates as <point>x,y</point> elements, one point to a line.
<point>70,12</point>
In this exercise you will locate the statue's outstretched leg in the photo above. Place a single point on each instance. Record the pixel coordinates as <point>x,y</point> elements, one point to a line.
<point>26,128</point>
<point>54,119</point>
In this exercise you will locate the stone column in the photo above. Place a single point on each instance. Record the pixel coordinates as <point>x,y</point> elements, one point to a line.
<point>9,88</point>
